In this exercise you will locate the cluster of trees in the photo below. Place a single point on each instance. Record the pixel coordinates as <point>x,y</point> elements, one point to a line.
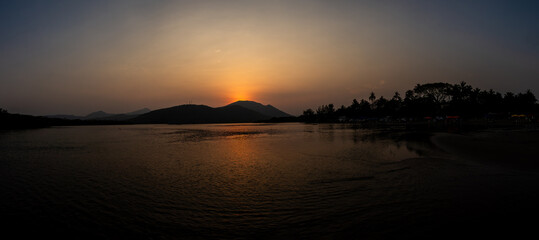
<point>431,99</point>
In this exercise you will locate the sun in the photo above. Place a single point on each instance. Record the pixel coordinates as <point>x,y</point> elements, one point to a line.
<point>239,85</point>
<point>240,92</point>
<point>239,96</point>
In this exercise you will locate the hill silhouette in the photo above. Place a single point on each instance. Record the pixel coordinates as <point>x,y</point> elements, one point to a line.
<point>21,121</point>
<point>267,110</point>
<point>139,112</point>
<point>97,115</point>
<point>101,115</point>
<point>237,112</point>
<point>190,113</point>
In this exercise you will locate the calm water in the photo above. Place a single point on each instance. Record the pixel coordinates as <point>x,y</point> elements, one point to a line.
<point>251,181</point>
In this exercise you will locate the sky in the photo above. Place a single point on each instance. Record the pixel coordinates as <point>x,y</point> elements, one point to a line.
<point>77,57</point>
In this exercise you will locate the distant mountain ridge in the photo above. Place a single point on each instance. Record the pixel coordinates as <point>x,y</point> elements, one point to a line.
<point>267,110</point>
<point>237,112</point>
<point>100,115</point>
<point>97,115</point>
<point>139,112</point>
<point>185,114</point>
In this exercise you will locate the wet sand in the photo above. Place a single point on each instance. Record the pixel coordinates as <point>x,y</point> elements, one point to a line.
<point>492,178</point>
<point>472,185</point>
<point>517,149</point>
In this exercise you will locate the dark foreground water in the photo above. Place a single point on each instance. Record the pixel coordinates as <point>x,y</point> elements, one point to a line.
<point>269,181</point>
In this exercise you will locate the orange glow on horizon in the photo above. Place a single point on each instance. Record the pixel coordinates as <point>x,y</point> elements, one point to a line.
<point>239,96</point>
<point>239,86</point>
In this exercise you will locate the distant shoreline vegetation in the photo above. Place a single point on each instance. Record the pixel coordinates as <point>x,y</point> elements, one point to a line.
<point>432,102</point>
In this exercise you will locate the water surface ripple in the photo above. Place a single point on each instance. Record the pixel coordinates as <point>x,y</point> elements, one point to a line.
<point>270,181</point>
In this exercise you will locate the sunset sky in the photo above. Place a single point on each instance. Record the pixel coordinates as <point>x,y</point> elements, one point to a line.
<point>76,57</point>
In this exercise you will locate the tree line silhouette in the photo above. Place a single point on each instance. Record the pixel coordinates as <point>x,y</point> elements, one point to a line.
<point>431,100</point>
